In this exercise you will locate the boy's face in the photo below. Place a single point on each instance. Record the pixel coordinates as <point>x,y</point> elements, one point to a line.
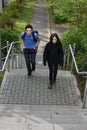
<point>28,31</point>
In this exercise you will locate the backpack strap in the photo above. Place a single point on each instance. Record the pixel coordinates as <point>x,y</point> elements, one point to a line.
<point>24,35</point>
<point>33,34</point>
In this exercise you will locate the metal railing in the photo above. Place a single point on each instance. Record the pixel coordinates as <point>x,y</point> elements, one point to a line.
<point>70,58</point>
<point>13,58</point>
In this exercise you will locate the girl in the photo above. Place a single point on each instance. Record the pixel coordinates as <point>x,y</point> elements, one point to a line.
<point>53,54</point>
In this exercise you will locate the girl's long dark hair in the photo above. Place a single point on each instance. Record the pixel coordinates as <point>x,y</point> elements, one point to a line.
<point>54,35</point>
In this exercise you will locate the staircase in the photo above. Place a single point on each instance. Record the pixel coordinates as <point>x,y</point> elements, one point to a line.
<point>27,103</point>
<point>21,117</point>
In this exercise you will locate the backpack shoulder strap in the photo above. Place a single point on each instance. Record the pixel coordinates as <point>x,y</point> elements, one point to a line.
<point>34,36</point>
<point>23,37</point>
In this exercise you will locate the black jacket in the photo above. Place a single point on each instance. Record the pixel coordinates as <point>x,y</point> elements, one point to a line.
<point>53,54</point>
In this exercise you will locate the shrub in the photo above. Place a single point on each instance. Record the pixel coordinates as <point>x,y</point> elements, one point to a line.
<point>9,14</point>
<point>77,36</point>
<point>60,18</point>
<point>1,77</point>
<point>8,35</point>
<point>73,36</point>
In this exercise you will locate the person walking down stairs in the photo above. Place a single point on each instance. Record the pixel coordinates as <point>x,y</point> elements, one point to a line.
<point>53,54</point>
<point>30,41</point>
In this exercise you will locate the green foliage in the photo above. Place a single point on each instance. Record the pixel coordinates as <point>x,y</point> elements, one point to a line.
<point>72,36</point>
<point>84,64</point>
<point>8,35</point>
<point>1,77</point>
<point>80,39</point>
<point>25,16</point>
<point>12,25</point>
<point>78,36</point>
<point>81,84</point>
<point>10,13</point>
<point>60,18</point>
<point>68,10</point>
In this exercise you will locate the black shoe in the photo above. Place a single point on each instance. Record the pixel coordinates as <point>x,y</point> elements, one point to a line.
<point>33,68</point>
<point>28,75</point>
<point>50,85</point>
<point>54,81</point>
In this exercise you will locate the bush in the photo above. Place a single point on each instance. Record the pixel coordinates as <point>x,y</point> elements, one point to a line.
<point>10,13</point>
<point>60,18</point>
<point>1,77</point>
<point>73,36</point>
<point>8,35</point>
<point>76,36</point>
<point>84,64</point>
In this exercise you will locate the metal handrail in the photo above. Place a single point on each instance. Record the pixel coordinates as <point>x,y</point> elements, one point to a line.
<point>10,48</point>
<point>8,54</point>
<point>76,67</point>
<point>74,62</point>
<point>84,74</point>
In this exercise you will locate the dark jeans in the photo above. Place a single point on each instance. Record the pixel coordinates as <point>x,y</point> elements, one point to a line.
<point>52,71</point>
<point>30,56</point>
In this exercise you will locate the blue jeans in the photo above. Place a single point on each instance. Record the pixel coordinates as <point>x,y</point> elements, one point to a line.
<point>30,57</point>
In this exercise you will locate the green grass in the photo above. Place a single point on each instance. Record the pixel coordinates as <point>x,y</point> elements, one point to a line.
<point>1,77</point>
<point>25,16</point>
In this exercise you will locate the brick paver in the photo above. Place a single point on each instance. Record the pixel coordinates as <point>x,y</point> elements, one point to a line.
<point>18,89</point>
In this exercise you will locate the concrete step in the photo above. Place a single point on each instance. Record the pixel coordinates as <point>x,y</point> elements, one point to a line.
<point>40,70</point>
<point>32,117</point>
<point>42,127</point>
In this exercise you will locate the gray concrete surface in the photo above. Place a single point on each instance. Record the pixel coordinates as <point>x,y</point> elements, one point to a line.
<point>28,104</point>
<point>18,89</point>
<point>32,117</point>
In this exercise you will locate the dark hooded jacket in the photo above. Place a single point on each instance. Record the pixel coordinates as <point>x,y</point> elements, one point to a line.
<point>53,54</point>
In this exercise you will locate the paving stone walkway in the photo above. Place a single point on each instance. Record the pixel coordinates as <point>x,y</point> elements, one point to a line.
<point>18,89</point>
<point>28,104</point>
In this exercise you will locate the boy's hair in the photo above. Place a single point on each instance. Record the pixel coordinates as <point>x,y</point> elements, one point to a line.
<point>28,26</point>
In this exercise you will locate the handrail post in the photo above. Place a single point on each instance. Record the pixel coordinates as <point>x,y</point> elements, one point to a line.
<point>12,56</point>
<point>64,65</point>
<point>68,57</point>
<point>7,46</point>
<point>8,64</point>
<point>0,54</point>
<point>21,62</point>
<point>85,93</point>
<point>72,59</point>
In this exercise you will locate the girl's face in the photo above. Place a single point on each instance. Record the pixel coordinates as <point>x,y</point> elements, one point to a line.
<point>28,31</point>
<point>54,40</point>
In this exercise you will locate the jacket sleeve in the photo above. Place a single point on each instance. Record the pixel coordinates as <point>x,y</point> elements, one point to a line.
<point>61,58</point>
<point>45,55</point>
